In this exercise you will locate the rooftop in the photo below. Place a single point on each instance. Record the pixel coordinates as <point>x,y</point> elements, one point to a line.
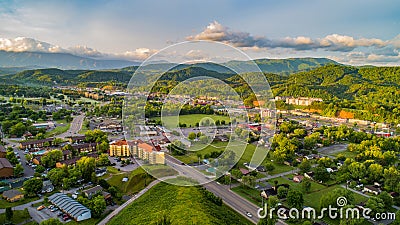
<point>4,163</point>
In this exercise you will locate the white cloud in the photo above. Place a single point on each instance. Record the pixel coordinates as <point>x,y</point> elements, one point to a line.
<point>333,42</point>
<point>85,51</point>
<point>23,44</point>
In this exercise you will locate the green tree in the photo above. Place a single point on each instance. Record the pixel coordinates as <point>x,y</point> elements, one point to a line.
<point>98,205</point>
<point>295,199</point>
<point>269,167</point>
<point>51,158</point>
<point>282,192</point>
<point>9,213</point>
<point>18,170</point>
<point>33,186</point>
<point>387,199</point>
<point>192,136</point>
<point>51,221</point>
<point>305,166</point>
<point>87,166</point>
<point>376,205</point>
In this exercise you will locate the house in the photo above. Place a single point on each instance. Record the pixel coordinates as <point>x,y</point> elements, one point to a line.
<point>100,172</point>
<point>244,171</point>
<point>309,175</point>
<point>372,189</point>
<point>261,168</point>
<point>298,178</point>
<point>12,195</point>
<point>6,169</point>
<point>89,193</point>
<point>3,151</point>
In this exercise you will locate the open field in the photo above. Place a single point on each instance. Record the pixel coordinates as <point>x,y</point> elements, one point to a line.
<point>190,120</point>
<point>180,205</point>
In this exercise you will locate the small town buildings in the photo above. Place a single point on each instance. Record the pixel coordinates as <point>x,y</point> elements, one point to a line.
<point>140,149</point>
<point>6,169</point>
<point>13,195</point>
<point>76,139</point>
<point>47,186</point>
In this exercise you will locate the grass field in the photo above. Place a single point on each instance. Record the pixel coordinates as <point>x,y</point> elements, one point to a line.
<point>4,204</point>
<point>137,180</point>
<point>190,120</point>
<point>180,205</point>
<point>59,129</point>
<point>19,216</point>
<point>248,193</point>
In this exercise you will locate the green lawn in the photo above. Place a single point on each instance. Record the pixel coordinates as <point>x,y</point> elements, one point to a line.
<point>137,180</point>
<point>346,153</point>
<point>19,216</point>
<point>248,193</point>
<point>4,204</point>
<point>59,129</point>
<point>189,120</point>
<point>180,205</point>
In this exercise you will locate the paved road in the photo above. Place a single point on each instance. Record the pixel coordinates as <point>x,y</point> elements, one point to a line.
<point>74,128</point>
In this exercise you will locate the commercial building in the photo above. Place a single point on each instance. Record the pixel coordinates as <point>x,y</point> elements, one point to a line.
<point>71,207</point>
<point>6,169</point>
<point>140,149</point>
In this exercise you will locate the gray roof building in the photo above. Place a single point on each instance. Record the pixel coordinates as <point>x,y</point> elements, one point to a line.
<point>73,208</point>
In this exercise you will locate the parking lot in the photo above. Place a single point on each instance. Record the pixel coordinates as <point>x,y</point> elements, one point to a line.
<point>47,213</point>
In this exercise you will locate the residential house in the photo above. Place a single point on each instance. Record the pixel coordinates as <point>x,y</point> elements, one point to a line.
<point>309,175</point>
<point>6,169</point>
<point>372,189</point>
<point>89,193</point>
<point>12,195</point>
<point>298,178</point>
<point>244,171</point>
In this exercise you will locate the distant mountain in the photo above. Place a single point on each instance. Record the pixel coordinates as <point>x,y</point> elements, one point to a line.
<point>283,66</point>
<point>58,60</point>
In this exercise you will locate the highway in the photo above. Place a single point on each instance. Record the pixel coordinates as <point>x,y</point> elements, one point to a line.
<point>74,128</point>
<point>233,200</point>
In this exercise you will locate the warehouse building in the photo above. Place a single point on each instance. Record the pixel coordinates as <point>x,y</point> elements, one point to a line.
<point>73,208</point>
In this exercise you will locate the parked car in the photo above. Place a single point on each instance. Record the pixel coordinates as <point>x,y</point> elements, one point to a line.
<point>40,207</point>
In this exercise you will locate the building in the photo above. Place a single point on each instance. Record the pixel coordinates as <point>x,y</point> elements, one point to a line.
<point>6,169</point>
<point>148,153</point>
<point>36,143</point>
<point>372,189</point>
<point>3,151</point>
<point>46,125</point>
<point>84,147</point>
<point>47,186</point>
<point>76,139</point>
<point>89,193</point>
<point>12,195</point>
<point>299,100</point>
<point>71,207</point>
<point>120,148</point>
<point>298,178</point>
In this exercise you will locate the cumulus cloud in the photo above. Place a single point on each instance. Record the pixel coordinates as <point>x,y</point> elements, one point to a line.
<point>23,44</point>
<point>334,42</point>
<point>85,51</point>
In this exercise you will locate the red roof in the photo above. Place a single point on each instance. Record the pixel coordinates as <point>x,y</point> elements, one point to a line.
<point>244,171</point>
<point>120,143</point>
<point>146,147</point>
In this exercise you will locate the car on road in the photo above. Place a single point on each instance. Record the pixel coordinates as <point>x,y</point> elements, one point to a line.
<point>249,215</point>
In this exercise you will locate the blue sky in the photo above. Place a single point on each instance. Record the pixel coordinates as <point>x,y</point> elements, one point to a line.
<point>353,32</point>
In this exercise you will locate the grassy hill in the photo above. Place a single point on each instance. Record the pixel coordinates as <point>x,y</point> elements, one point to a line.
<point>180,205</point>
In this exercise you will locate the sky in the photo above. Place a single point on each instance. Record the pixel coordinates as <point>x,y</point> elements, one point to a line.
<point>356,32</point>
